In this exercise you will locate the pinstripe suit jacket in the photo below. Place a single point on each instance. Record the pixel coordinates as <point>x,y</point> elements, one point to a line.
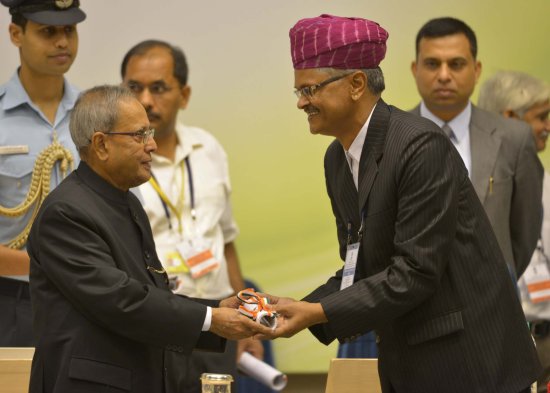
<point>504,154</point>
<point>430,278</point>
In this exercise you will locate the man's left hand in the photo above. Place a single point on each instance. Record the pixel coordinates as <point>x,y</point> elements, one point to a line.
<point>295,317</point>
<point>252,346</point>
<point>231,302</point>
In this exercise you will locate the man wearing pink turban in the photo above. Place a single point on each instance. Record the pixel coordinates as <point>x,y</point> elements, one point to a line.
<point>422,268</point>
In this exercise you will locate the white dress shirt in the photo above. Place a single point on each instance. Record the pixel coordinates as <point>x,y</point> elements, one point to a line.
<point>538,311</point>
<point>353,154</point>
<point>214,219</point>
<point>461,129</point>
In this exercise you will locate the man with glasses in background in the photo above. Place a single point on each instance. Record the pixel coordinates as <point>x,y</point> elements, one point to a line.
<point>36,150</point>
<point>104,316</point>
<point>187,198</point>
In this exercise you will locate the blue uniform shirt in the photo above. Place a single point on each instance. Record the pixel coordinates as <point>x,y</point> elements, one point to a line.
<point>23,124</point>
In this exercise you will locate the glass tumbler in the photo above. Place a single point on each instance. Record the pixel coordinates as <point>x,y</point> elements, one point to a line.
<point>216,383</point>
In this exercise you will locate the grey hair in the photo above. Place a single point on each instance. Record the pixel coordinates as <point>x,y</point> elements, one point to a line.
<point>375,77</point>
<point>96,110</point>
<point>512,90</point>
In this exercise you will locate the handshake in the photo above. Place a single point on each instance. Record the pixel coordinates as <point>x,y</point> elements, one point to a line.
<point>263,316</point>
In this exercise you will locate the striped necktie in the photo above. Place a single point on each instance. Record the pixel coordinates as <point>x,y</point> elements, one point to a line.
<point>449,132</point>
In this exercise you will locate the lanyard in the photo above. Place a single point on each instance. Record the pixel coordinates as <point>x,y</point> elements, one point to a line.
<point>178,208</point>
<point>540,249</point>
<point>359,232</point>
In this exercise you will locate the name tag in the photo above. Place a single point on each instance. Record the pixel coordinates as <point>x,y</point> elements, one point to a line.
<point>175,263</point>
<point>15,149</point>
<point>537,278</point>
<point>197,257</point>
<point>348,274</point>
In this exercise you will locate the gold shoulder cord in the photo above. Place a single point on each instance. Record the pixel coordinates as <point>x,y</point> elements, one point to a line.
<point>39,188</point>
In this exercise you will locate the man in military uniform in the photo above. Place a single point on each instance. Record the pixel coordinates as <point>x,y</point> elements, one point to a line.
<point>36,150</point>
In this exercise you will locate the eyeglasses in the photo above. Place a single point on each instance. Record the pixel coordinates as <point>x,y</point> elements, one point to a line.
<point>144,135</point>
<point>309,91</point>
<point>155,88</point>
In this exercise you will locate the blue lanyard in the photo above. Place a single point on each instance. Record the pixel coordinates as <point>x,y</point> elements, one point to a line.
<point>191,193</point>
<point>191,189</point>
<point>359,232</point>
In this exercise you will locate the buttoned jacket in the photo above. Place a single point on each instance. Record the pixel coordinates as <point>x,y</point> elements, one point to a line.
<point>104,318</point>
<point>430,278</point>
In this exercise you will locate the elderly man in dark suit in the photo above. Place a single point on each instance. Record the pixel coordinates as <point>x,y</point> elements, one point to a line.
<point>500,154</point>
<point>422,264</point>
<point>104,316</point>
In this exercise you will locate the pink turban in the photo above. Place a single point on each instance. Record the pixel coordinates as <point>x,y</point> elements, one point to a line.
<point>337,42</point>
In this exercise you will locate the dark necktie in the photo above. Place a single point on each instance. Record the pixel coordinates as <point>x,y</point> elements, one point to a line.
<point>449,132</point>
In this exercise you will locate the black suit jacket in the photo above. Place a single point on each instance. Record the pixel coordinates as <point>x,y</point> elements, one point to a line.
<point>431,279</point>
<point>103,321</point>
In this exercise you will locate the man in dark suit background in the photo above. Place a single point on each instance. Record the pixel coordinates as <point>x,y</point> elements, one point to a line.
<point>500,154</point>
<point>104,317</point>
<point>423,267</point>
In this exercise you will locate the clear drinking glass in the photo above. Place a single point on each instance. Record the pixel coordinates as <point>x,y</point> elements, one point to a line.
<point>216,383</point>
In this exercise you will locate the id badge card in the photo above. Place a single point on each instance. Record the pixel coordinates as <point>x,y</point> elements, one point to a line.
<point>175,263</point>
<point>537,278</point>
<point>198,257</point>
<point>348,274</point>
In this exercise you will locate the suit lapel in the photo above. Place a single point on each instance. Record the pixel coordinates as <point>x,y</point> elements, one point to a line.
<point>347,190</point>
<point>372,150</point>
<point>484,146</point>
<point>152,265</point>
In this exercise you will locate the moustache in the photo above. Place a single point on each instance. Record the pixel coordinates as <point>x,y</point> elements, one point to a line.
<point>310,109</point>
<point>152,115</point>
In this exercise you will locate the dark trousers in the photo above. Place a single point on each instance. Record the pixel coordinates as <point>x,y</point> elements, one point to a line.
<point>541,333</point>
<point>16,315</point>
<point>186,371</point>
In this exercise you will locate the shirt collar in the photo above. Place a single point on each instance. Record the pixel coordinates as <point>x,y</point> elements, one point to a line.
<point>356,147</point>
<point>15,94</point>
<point>70,95</point>
<point>187,142</point>
<point>460,124</point>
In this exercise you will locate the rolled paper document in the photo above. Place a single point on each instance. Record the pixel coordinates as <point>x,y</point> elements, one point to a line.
<point>262,372</point>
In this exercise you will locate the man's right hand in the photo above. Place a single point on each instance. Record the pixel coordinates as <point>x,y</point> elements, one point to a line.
<point>278,300</point>
<point>13,262</point>
<point>229,323</point>
<point>296,316</point>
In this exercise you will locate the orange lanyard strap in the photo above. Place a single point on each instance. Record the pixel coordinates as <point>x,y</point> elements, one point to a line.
<point>256,307</point>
